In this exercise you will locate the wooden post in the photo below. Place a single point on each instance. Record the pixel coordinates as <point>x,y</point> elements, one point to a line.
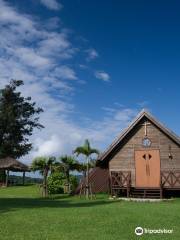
<point>127,191</point>
<point>161,193</point>
<point>109,186</point>
<point>23,182</point>
<point>87,179</point>
<point>161,186</point>
<point>7,177</point>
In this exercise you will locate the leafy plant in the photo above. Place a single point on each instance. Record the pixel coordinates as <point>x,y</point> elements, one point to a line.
<point>87,151</point>
<point>18,118</point>
<point>66,164</point>
<point>56,183</point>
<point>73,182</point>
<point>43,165</point>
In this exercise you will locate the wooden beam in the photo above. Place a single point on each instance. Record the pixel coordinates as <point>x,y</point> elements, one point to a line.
<point>23,178</point>
<point>7,177</point>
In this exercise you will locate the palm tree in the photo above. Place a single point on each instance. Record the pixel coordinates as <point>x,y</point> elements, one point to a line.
<point>43,165</point>
<point>67,164</point>
<point>82,167</point>
<point>86,150</point>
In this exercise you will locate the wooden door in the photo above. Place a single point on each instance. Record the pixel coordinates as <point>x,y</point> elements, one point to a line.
<point>147,163</point>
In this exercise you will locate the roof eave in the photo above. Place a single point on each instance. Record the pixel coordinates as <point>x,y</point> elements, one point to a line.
<point>142,114</point>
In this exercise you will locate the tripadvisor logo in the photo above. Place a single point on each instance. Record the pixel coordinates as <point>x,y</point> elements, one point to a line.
<point>140,231</point>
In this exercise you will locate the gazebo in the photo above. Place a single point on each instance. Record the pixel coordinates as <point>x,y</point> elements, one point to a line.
<point>11,164</point>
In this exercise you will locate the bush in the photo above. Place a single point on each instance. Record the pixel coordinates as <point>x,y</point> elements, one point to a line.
<point>73,182</point>
<point>56,183</point>
<point>2,176</point>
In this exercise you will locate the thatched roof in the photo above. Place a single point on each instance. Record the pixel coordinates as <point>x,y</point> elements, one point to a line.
<point>12,164</point>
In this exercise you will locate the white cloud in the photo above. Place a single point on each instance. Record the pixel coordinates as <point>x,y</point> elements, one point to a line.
<point>92,54</point>
<point>65,72</point>
<point>102,75</point>
<point>30,52</point>
<point>143,104</point>
<point>31,58</point>
<point>48,147</point>
<point>63,136</point>
<point>51,4</point>
<point>9,15</point>
<point>56,44</point>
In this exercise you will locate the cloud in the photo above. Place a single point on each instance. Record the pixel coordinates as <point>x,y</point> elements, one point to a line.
<point>43,59</point>
<point>64,136</point>
<point>65,72</point>
<point>48,147</point>
<point>102,75</point>
<point>31,52</point>
<point>31,58</point>
<point>51,4</point>
<point>143,104</point>
<point>91,54</point>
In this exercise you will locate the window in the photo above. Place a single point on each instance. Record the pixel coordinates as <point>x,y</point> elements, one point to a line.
<point>146,142</point>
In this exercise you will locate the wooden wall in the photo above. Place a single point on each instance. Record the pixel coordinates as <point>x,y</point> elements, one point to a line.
<point>123,159</point>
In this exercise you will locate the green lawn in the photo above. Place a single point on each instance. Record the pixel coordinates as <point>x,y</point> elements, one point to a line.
<point>23,215</point>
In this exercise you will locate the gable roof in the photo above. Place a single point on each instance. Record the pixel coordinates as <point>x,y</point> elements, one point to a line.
<point>139,117</point>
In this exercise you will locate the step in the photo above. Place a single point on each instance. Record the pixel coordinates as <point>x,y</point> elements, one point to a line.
<point>145,196</point>
<point>146,193</point>
<point>150,193</point>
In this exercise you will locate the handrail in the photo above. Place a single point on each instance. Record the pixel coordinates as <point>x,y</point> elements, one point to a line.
<point>170,178</point>
<point>120,178</point>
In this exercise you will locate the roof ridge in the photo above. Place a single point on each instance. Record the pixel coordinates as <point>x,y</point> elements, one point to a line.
<point>132,124</point>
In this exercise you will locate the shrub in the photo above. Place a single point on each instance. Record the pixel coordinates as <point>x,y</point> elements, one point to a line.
<point>73,182</point>
<point>56,183</point>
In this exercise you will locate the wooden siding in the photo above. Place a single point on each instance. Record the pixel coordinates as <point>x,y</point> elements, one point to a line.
<point>98,180</point>
<point>123,159</point>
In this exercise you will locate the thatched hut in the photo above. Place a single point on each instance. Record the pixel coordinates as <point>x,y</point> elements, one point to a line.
<point>11,164</point>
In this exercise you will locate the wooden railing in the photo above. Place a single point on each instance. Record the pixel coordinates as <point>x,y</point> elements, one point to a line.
<point>170,179</point>
<point>120,180</point>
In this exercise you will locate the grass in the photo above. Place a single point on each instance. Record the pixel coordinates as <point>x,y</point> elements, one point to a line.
<point>25,216</point>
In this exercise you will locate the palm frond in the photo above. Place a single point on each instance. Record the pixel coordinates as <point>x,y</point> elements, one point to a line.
<point>80,150</point>
<point>94,150</point>
<point>40,163</point>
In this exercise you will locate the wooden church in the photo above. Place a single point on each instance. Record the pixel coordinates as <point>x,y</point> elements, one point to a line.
<point>144,161</point>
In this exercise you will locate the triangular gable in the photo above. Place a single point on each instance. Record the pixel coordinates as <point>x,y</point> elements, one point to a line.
<point>139,117</point>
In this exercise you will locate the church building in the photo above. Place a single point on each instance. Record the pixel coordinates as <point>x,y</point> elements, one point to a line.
<point>144,161</point>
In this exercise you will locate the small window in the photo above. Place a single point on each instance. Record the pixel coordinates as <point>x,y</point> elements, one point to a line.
<point>146,142</point>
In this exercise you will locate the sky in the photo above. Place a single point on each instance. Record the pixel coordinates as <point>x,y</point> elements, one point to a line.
<point>92,66</point>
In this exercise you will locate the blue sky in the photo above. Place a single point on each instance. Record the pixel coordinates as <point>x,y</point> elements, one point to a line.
<point>92,65</point>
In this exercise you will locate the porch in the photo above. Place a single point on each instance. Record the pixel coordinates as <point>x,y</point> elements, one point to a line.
<point>121,184</point>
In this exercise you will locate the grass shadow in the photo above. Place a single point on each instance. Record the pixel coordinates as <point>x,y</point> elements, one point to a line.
<point>13,204</point>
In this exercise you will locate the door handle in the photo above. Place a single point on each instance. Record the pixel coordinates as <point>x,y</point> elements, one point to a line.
<point>147,170</point>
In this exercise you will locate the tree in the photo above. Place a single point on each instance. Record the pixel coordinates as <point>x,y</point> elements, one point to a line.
<point>43,165</point>
<point>18,118</point>
<point>87,151</point>
<point>67,164</point>
<point>82,167</point>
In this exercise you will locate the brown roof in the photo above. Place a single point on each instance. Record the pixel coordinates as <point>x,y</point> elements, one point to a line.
<point>141,115</point>
<point>12,164</point>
